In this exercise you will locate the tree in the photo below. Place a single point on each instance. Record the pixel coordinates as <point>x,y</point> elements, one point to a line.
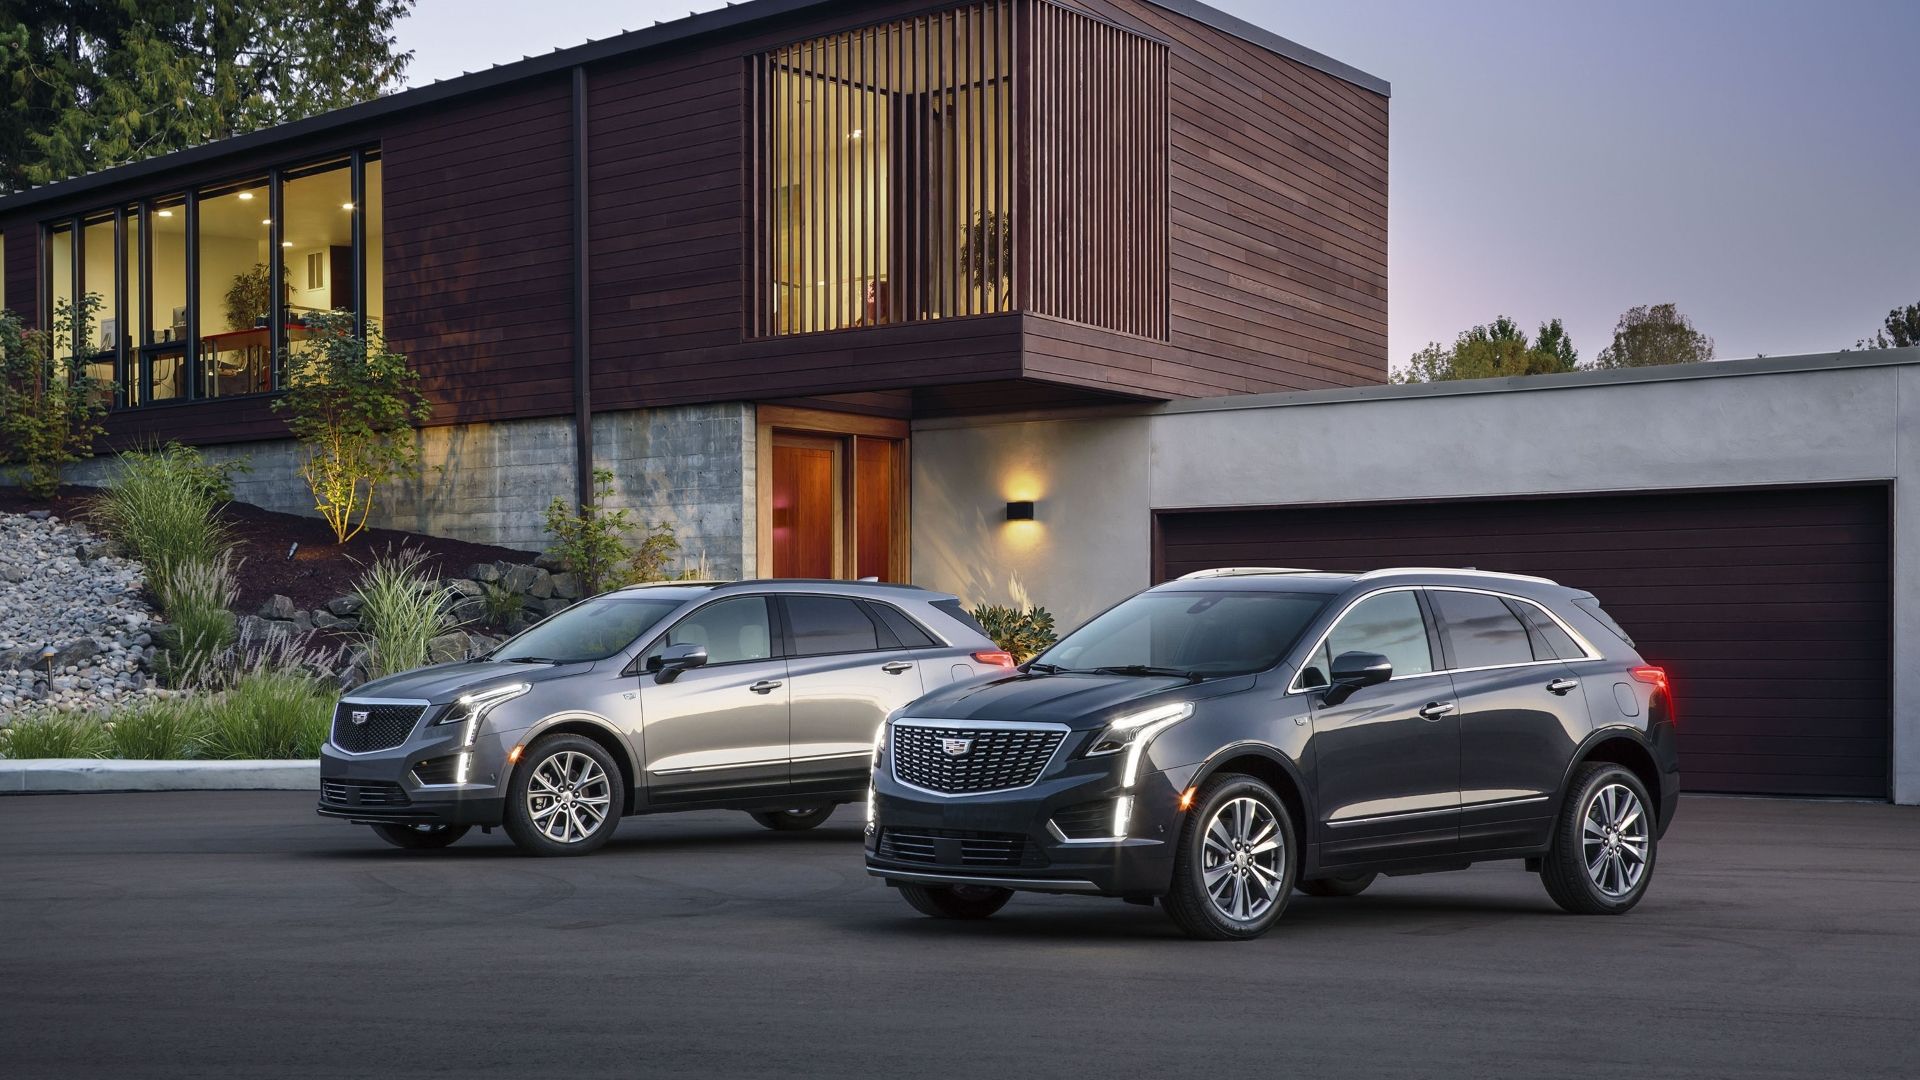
<point>353,403</point>
<point>1653,337</point>
<point>1902,330</point>
<point>90,84</point>
<point>1497,349</point>
<point>50,408</point>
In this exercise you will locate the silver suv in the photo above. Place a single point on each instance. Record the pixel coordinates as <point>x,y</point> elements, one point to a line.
<point>762,696</point>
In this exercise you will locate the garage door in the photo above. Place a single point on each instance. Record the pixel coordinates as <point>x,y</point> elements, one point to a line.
<point>1769,609</point>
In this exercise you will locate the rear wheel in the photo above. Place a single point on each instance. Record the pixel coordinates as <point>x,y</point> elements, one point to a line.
<point>956,901</point>
<point>420,837</point>
<point>798,819</point>
<point>565,797</point>
<point>1351,885</point>
<point>1603,843</point>
<point>1236,863</point>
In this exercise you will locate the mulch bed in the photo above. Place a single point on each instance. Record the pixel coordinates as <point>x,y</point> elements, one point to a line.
<point>318,570</point>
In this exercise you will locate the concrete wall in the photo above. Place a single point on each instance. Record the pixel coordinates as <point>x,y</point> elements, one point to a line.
<point>691,467</point>
<point>1787,420</point>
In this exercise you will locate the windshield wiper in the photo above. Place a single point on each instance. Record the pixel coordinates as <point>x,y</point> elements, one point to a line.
<point>1046,669</point>
<point>1144,669</point>
<point>530,660</point>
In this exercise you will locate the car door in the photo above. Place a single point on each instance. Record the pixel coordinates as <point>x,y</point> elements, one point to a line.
<point>1519,720</point>
<point>847,672</point>
<point>1386,759</point>
<point>718,731</point>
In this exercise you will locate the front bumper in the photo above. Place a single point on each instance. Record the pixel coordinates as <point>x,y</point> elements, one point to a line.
<point>958,840</point>
<point>386,786</point>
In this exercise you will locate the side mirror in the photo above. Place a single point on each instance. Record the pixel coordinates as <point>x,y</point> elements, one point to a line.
<point>1353,670</point>
<point>675,659</point>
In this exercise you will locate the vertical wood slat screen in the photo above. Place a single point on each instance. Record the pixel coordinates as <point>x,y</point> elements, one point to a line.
<point>894,166</point>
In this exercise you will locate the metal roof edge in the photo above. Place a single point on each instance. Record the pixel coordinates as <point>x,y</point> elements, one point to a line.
<point>1274,43</point>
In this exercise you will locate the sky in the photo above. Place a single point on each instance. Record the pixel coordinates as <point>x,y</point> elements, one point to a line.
<point>1756,162</point>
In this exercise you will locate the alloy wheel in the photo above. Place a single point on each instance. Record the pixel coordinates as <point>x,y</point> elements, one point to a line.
<point>568,796</point>
<point>1613,840</point>
<point>1243,859</point>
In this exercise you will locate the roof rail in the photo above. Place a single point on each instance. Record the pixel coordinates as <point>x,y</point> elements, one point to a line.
<point>1244,571</point>
<point>670,584</point>
<point>837,582</point>
<point>1455,570</point>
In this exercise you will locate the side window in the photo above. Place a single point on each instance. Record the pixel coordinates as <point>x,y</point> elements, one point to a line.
<point>732,631</point>
<point>1481,629</point>
<point>1549,641</point>
<point>1388,624</point>
<point>829,624</point>
<point>905,630</point>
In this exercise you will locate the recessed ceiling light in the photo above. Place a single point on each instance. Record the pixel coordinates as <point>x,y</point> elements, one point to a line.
<point>166,213</point>
<point>857,132</point>
<point>346,206</point>
<point>245,195</point>
<point>266,221</point>
<point>286,243</point>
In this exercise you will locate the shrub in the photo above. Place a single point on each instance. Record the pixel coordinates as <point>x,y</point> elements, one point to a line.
<point>271,652</point>
<point>592,542</point>
<point>54,735</point>
<point>197,598</point>
<point>652,554</point>
<point>1025,633</point>
<point>162,507</point>
<point>266,715</point>
<point>498,604</point>
<point>352,402</point>
<point>403,608</point>
<point>159,729</point>
<point>50,407</point>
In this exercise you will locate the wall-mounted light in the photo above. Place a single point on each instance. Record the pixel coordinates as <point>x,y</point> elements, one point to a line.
<point>1020,511</point>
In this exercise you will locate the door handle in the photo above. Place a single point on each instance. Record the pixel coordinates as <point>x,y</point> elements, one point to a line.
<point>764,687</point>
<point>896,667</point>
<point>1434,710</point>
<point>1562,686</point>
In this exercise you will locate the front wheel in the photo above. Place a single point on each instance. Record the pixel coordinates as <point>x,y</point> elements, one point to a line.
<point>1236,863</point>
<point>420,837</point>
<point>956,901</point>
<point>798,819</point>
<point>1603,843</point>
<point>565,797</point>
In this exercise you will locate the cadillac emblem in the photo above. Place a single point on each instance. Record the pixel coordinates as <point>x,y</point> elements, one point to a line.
<point>360,716</point>
<point>956,747</point>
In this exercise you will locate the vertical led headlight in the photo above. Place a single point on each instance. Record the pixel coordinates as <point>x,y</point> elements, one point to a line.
<point>471,710</point>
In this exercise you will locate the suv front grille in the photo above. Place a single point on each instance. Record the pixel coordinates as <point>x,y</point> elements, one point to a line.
<point>952,847</point>
<point>362,793</point>
<point>362,728</point>
<point>991,759</point>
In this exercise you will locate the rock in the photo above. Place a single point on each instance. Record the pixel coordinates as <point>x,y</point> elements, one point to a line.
<point>73,652</point>
<point>465,588</point>
<point>447,648</point>
<point>542,586</point>
<point>327,620</point>
<point>567,586</point>
<point>278,607</point>
<point>547,560</point>
<point>302,623</point>
<point>484,571</point>
<point>520,579</point>
<point>256,628</point>
<point>39,515</point>
<point>346,606</point>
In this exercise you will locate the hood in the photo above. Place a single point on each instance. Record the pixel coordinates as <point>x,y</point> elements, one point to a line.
<point>1078,700</point>
<point>442,683</point>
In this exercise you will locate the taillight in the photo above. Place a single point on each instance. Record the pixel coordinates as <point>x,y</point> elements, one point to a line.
<point>1657,677</point>
<point>994,657</point>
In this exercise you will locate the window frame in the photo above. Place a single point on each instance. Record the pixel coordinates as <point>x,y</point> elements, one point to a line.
<point>777,640</point>
<point>1441,658</point>
<point>880,630</point>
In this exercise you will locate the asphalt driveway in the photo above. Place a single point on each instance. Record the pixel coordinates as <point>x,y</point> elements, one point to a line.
<point>235,934</point>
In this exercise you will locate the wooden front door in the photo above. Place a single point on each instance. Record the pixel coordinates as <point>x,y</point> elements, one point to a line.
<point>806,500</point>
<point>834,500</point>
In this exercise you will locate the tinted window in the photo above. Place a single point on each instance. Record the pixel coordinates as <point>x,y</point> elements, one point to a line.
<point>731,630</point>
<point>961,615</point>
<point>1549,641</point>
<point>829,624</point>
<point>590,630</point>
<point>905,630</point>
<point>1388,624</point>
<point>1482,630</point>
<point>1592,607</point>
<point>1208,633</point>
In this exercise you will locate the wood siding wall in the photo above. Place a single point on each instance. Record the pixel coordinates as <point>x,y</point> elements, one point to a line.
<point>23,272</point>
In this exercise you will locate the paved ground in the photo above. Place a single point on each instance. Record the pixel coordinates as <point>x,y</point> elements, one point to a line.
<point>235,934</point>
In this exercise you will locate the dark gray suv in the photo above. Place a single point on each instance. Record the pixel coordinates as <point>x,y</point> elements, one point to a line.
<point>761,696</point>
<point>1219,741</point>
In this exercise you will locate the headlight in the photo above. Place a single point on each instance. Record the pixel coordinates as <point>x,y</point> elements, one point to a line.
<point>879,743</point>
<point>471,709</point>
<point>1134,731</point>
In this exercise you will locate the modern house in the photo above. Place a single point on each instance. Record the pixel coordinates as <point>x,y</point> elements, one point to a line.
<point>1030,300</point>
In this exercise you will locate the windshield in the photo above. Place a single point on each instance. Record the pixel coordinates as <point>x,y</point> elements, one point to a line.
<point>590,630</point>
<point>1196,634</point>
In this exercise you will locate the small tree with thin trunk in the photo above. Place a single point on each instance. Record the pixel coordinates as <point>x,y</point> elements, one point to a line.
<point>50,407</point>
<point>353,403</point>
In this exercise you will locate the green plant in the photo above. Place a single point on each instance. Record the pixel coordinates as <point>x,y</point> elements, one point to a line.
<point>352,402</point>
<point>159,729</point>
<point>50,407</point>
<point>197,598</point>
<point>403,608</point>
<point>249,298</point>
<point>986,255</point>
<point>1024,632</point>
<point>53,734</point>
<point>592,541</point>
<point>268,714</point>
<point>163,505</point>
<point>498,604</point>
<point>650,556</point>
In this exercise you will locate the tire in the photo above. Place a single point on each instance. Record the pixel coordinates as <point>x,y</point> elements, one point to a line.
<point>1237,861</point>
<point>799,819</point>
<point>421,837</point>
<point>956,901</point>
<point>1351,885</point>
<point>561,782</point>
<point>1603,843</point>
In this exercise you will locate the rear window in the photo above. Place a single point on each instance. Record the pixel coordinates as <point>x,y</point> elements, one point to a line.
<point>907,632</point>
<point>1484,632</point>
<point>1592,607</point>
<point>1549,641</point>
<point>829,624</point>
<point>962,616</point>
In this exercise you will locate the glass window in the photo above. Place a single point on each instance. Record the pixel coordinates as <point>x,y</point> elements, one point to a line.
<point>1549,641</point>
<point>375,259</point>
<point>316,230</point>
<point>907,632</point>
<point>829,624</point>
<point>1387,623</point>
<point>590,630</point>
<point>1206,633</point>
<point>235,296</point>
<point>61,244</point>
<point>131,333</point>
<point>731,631</point>
<point>100,328</point>
<point>1481,629</point>
<point>164,357</point>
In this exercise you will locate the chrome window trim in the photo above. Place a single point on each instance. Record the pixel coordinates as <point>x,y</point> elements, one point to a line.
<point>1588,651</point>
<point>988,725</point>
<point>425,707</point>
